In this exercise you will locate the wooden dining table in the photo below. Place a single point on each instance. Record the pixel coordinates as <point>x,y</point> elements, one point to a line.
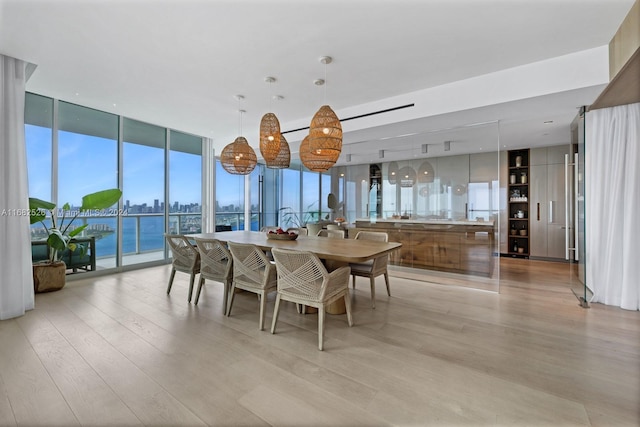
<point>337,252</point>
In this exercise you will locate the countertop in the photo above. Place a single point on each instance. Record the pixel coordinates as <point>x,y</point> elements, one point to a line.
<point>426,221</point>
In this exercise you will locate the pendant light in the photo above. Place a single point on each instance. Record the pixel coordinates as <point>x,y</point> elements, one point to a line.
<point>238,158</point>
<point>316,160</point>
<point>283,159</point>
<point>269,132</point>
<point>325,131</point>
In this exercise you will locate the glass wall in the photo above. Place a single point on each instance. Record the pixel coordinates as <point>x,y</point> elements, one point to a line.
<point>444,206</point>
<point>143,185</point>
<point>88,162</point>
<point>229,199</point>
<point>185,175</point>
<point>81,151</point>
<point>39,143</point>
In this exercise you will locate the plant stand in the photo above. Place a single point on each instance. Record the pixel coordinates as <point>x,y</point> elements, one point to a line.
<point>49,277</point>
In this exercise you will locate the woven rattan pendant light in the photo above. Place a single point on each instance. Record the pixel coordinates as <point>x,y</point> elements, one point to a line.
<point>283,159</point>
<point>269,133</point>
<point>317,160</point>
<point>325,131</point>
<point>238,158</point>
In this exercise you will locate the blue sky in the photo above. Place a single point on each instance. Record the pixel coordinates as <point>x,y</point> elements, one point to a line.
<point>89,164</point>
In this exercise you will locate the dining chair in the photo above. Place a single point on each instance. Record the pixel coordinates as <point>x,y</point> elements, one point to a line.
<point>313,229</point>
<point>332,234</point>
<point>185,258</point>
<point>216,263</point>
<point>333,227</point>
<point>303,279</point>
<point>373,268</point>
<point>253,272</point>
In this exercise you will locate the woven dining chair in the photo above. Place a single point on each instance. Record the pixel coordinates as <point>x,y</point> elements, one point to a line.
<point>373,268</point>
<point>303,279</point>
<point>216,263</point>
<point>332,234</point>
<point>253,272</point>
<point>186,259</point>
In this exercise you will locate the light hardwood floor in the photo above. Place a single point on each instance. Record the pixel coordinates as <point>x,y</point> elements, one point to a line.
<point>116,350</point>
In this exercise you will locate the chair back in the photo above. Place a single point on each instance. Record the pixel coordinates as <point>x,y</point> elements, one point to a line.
<point>333,227</point>
<point>379,264</point>
<point>216,262</point>
<point>185,256</point>
<point>250,265</point>
<point>332,234</point>
<point>314,228</point>
<point>300,274</point>
<point>377,236</point>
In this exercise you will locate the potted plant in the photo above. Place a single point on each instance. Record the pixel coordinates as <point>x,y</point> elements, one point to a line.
<point>291,219</point>
<point>49,275</point>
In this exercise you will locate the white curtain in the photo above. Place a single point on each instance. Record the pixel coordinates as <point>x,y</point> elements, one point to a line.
<point>612,201</point>
<point>16,280</point>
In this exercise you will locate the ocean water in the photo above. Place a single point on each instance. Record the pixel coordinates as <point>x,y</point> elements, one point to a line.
<point>151,234</point>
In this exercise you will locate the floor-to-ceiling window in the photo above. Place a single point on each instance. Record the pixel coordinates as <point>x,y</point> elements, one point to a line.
<point>185,175</point>
<point>74,150</point>
<point>87,161</point>
<point>143,191</point>
<point>39,143</point>
<point>229,199</point>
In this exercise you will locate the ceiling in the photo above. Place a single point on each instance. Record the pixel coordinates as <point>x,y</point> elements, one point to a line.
<point>511,65</point>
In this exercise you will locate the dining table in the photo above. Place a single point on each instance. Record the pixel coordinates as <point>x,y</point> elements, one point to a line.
<point>335,252</point>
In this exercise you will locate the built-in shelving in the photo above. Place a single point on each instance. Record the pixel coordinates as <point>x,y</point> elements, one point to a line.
<point>518,202</point>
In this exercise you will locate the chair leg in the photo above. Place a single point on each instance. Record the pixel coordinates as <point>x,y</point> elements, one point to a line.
<point>353,285</point>
<point>225,296</point>
<point>192,279</point>
<point>263,307</point>
<point>386,280</point>
<point>200,283</point>
<point>321,327</point>
<point>173,273</point>
<point>347,305</point>
<point>232,292</point>
<point>276,311</point>
<point>373,291</point>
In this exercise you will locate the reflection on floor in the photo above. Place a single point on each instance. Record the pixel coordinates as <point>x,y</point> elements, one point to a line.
<point>117,350</point>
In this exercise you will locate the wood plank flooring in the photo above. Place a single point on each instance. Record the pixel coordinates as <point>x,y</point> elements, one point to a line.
<point>116,350</point>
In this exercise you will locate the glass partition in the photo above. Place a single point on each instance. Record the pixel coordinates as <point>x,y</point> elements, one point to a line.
<point>444,206</point>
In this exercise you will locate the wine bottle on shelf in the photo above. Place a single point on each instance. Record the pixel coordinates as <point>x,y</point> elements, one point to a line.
<point>515,246</point>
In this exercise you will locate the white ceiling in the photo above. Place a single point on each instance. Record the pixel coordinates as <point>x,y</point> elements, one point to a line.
<point>181,63</point>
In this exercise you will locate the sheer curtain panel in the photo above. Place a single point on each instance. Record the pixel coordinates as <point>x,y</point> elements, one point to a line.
<point>16,280</point>
<point>613,204</point>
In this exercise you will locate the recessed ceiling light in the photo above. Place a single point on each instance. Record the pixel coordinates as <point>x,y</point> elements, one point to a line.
<point>548,122</point>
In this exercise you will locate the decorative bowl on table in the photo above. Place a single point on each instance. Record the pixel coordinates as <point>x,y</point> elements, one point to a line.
<point>275,235</point>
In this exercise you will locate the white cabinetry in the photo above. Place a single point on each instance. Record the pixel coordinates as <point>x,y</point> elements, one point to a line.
<point>547,192</point>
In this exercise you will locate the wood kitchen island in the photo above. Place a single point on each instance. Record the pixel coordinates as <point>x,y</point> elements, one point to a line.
<point>457,246</point>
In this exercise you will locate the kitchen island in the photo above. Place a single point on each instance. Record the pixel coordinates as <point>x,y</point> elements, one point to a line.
<point>460,246</point>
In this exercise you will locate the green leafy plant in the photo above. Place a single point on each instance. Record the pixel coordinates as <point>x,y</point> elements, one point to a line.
<point>59,235</point>
<point>291,217</point>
